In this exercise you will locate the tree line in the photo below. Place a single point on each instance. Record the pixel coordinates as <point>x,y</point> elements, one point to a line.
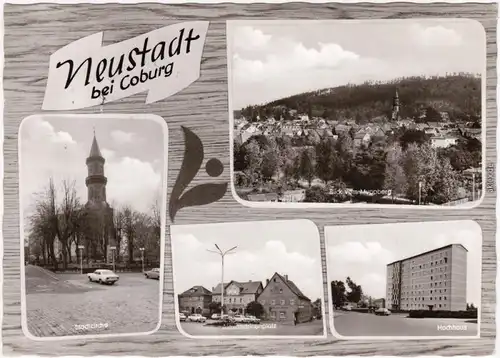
<point>342,294</point>
<point>458,94</point>
<point>397,162</point>
<point>59,214</point>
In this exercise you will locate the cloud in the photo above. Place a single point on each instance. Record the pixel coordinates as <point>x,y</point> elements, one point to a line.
<point>290,59</point>
<point>191,257</point>
<point>249,38</point>
<point>436,36</point>
<point>359,252</point>
<point>47,153</point>
<point>121,137</point>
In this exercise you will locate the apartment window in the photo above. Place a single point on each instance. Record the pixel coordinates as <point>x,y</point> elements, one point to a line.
<point>445,260</point>
<point>274,280</point>
<point>292,302</point>
<point>241,300</point>
<point>432,277</point>
<point>273,302</point>
<point>281,290</point>
<point>282,302</point>
<point>440,298</point>
<point>445,297</point>
<point>282,315</point>
<point>273,314</point>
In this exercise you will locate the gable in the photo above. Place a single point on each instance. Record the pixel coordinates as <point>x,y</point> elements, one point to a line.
<point>277,286</point>
<point>233,289</point>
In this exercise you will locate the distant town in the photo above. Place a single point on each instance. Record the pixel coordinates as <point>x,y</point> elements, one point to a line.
<point>406,153</point>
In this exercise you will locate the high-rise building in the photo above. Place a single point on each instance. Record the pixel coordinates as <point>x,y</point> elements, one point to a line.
<point>433,280</point>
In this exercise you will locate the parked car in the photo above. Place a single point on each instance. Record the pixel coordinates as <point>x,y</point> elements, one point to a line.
<point>182,317</point>
<point>240,318</point>
<point>347,308</point>
<point>196,318</point>
<point>107,277</point>
<point>252,319</point>
<point>215,316</point>
<point>383,312</point>
<point>153,273</point>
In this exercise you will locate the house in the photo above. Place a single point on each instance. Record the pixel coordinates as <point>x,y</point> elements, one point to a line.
<point>342,128</point>
<point>431,131</point>
<point>263,197</point>
<point>443,141</point>
<point>293,196</point>
<point>379,303</point>
<point>195,300</point>
<point>362,138</point>
<point>282,301</point>
<point>237,295</point>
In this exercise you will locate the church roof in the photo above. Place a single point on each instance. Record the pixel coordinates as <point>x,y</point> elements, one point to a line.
<point>94,150</point>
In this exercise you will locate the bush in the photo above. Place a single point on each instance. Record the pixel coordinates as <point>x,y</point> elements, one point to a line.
<point>362,310</point>
<point>443,314</point>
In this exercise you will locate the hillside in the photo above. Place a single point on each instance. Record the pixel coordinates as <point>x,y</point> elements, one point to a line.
<point>457,94</point>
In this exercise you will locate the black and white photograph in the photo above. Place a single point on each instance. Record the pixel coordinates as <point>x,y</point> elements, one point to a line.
<point>92,191</point>
<point>357,112</point>
<point>412,280</point>
<point>260,279</point>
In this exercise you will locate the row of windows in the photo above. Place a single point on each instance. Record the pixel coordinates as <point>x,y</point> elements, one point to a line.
<point>282,315</point>
<point>420,298</point>
<point>427,272</point>
<point>282,302</point>
<point>412,293</point>
<point>432,264</point>
<point>421,305</point>
<point>433,257</point>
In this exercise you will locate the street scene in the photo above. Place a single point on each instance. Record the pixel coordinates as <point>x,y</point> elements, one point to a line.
<point>407,280</point>
<point>322,116</point>
<point>248,279</point>
<point>93,223</point>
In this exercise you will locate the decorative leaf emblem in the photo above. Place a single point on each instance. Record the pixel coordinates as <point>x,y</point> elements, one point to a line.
<point>202,194</point>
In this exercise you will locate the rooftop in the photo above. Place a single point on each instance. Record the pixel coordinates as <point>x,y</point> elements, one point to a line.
<point>428,252</point>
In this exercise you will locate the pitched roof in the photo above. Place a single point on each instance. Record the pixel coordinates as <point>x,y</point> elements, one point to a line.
<point>292,286</point>
<point>94,149</point>
<point>196,291</point>
<point>245,287</point>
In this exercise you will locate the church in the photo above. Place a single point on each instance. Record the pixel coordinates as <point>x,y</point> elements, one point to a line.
<point>99,230</point>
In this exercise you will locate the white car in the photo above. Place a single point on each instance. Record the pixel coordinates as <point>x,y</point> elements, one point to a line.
<point>107,277</point>
<point>347,308</point>
<point>196,318</point>
<point>240,319</point>
<point>215,316</point>
<point>383,312</point>
<point>252,319</point>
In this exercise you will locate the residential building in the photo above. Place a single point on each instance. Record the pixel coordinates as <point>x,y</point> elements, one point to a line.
<point>379,303</point>
<point>443,141</point>
<point>237,295</point>
<point>195,300</point>
<point>282,300</point>
<point>433,280</point>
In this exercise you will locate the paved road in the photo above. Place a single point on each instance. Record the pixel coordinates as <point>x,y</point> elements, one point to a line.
<point>57,306</point>
<point>314,328</point>
<point>350,324</point>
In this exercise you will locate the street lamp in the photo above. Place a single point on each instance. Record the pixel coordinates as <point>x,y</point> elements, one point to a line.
<point>473,186</point>
<point>222,254</point>
<point>81,247</point>
<point>142,257</point>
<point>419,192</point>
<point>113,248</point>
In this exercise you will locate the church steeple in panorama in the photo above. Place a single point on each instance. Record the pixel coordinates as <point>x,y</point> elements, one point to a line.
<point>95,181</point>
<point>395,106</point>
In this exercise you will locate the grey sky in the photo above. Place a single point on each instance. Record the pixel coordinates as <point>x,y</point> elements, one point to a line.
<point>57,146</point>
<point>275,59</point>
<point>286,247</point>
<point>362,252</point>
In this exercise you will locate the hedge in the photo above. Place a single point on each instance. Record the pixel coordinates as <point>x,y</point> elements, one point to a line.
<point>443,314</point>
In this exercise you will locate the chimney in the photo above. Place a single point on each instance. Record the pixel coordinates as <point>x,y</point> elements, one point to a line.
<point>267,281</point>
<point>286,277</point>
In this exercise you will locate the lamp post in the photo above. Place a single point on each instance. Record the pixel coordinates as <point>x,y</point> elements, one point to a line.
<point>222,254</point>
<point>81,247</point>
<point>419,192</point>
<point>113,248</point>
<point>473,186</point>
<point>142,257</point>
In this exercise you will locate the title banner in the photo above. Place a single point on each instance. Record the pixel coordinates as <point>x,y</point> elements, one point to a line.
<point>162,62</point>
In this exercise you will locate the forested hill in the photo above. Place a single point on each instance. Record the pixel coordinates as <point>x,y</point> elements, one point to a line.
<point>457,94</point>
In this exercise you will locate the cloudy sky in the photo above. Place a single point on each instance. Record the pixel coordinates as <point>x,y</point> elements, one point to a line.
<point>353,253</point>
<point>57,147</point>
<point>286,247</point>
<point>275,59</point>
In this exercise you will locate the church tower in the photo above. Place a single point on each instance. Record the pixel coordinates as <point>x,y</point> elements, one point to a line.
<point>395,106</point>
<point>95,181</point>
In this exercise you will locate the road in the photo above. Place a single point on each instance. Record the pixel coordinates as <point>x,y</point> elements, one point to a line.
<point>63,304</point>
<point>350,324</point>
<point>313,328</point>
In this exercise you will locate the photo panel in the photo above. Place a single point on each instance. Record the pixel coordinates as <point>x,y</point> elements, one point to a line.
<point>260,279</point>
<point>403,281</point>
<point>367,112</point>
<point>93,205</point>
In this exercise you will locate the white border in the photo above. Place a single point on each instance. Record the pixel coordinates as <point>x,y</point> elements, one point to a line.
<point>253,204</point>
<point>399,338</point>
<point>103,116</point>
<point>250,337</point>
